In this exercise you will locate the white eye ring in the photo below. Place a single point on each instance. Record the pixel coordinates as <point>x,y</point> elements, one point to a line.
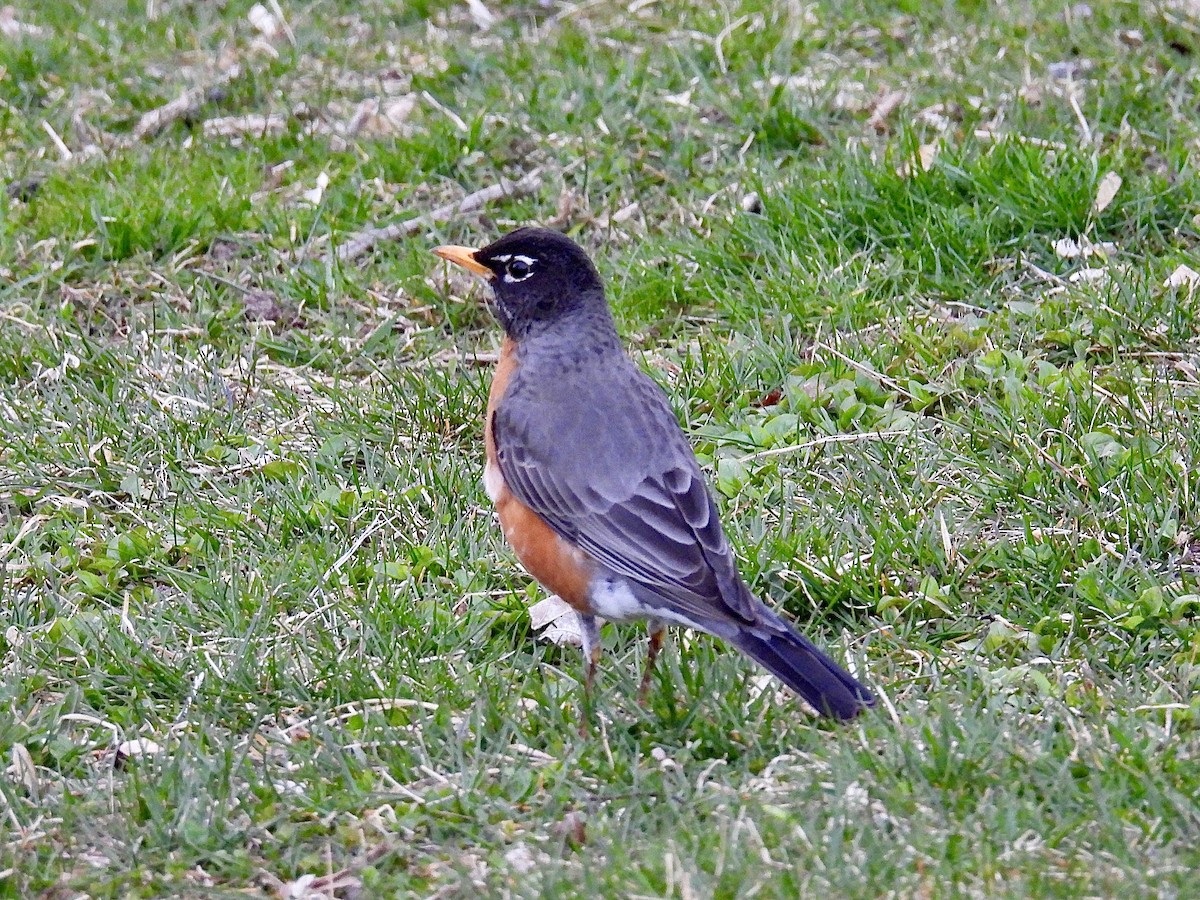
<point>518,268</point>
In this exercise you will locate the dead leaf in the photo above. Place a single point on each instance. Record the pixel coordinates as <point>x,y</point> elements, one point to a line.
<point>185,105</point>
<point>11,27</point>
<point>265,22</point>
<point>1068,69</point>
<point>942,116</point>
<point>926,154</point>
<point>317,193</point>
<point>275,174</point>
<point>319,887</point>
<point>759,684</point>
<point>483,17</point>
<point>1031,94</point>
<point>522,859</point>
<point>1183,276</point>
<point>567,202</point>
<point>884,107</point>
<point>261,306</point>
<point>135,749</point>
<point>396,110</point>
<point>377,118</point>
<point>557,622</point>
<point>1088,276</point>
<point>24,771</point>
<point>362,113</point>
<point>986,134</point>
<point>252,125</point>
<point>751,203</point>
<point>1106,191</point>
<point>358,244</point>
<point>625,213</point>
<point>1067,248</point>
<point>770,398</point>
<point>572,829</point>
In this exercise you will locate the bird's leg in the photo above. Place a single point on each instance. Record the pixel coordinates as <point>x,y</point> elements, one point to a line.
<point>589,631</point>
<point>657,631</point>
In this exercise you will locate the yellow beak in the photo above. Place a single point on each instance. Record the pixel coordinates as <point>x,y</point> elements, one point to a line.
<point>465,257</point>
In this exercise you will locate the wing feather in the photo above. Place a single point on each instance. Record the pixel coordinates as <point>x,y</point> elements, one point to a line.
<point>623,484</point>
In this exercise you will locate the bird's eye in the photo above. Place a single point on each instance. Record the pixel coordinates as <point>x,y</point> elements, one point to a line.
<point>518,269</point>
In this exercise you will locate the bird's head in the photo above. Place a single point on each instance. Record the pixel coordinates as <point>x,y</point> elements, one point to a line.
<point>538,277</point>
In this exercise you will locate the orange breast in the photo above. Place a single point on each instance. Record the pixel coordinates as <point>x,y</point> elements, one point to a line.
<point>558,565</point>
<point>501,378</point>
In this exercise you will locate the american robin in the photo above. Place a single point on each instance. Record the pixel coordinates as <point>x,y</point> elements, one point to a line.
<point>597,489</point>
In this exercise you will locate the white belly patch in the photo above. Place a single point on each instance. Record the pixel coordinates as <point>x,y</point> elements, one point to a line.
<point>493,481</point>
<point>612,600</point>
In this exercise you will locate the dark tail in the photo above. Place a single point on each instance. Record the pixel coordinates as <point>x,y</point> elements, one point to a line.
<point>796,661</point>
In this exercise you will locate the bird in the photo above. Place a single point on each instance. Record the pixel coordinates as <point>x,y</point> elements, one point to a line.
<point>596,486</point>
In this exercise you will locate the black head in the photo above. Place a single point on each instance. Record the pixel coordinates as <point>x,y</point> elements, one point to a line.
<point>539,276</point>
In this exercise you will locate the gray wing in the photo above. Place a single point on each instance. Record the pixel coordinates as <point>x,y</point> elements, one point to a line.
<point>615,475</point>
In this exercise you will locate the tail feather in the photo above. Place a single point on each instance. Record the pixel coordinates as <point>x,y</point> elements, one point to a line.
<point>798,663</point>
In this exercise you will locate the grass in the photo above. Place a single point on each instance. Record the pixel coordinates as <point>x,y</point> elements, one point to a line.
<point>240,504</point>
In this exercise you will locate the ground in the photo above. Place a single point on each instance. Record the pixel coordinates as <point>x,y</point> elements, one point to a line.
<point>920,280</point>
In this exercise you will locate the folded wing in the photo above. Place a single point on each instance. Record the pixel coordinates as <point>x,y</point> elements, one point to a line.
<point>621,482</point>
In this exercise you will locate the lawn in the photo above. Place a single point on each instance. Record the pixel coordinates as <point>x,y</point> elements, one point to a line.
<point>919,278</point>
